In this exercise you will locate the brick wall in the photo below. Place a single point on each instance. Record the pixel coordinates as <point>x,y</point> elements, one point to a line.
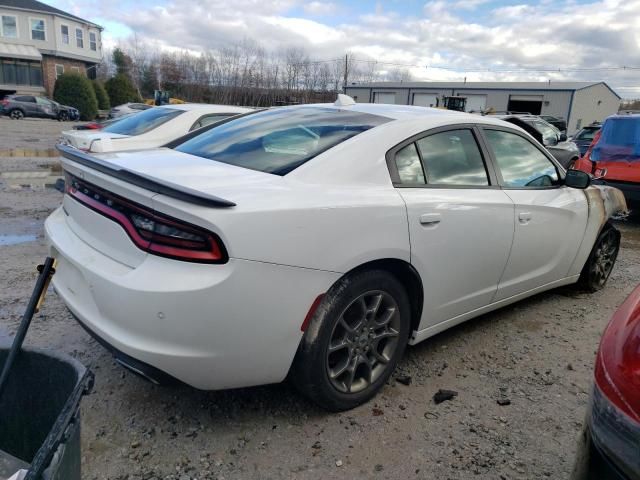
<point>49,70</point>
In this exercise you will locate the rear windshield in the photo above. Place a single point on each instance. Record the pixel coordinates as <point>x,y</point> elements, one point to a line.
<point>279,140</point>
<point>143,122</point>
<point>587,133</point>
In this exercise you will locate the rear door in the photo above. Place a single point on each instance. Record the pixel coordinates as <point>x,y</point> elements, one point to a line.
<point>460,221</point>
<point>28,104</point>
<point>550,218</point>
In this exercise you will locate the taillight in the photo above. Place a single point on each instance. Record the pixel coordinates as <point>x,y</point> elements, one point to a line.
<point>615,406</point>
<point>4,102</point>
<point>150,231</point>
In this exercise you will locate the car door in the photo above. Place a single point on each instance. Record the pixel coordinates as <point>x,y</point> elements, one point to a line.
<point>550,218</point>
<point>46,108</point>
<point>28,104</point>
<point>460,221</point>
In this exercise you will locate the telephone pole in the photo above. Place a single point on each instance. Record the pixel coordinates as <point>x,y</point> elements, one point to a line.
<point>346,71</point>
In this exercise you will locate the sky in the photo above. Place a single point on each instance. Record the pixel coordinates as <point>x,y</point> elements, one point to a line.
<point>480,40</point>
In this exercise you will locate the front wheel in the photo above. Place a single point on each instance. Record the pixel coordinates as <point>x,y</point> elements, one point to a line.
<point>63,116</point>
<point>354,340</point>
<point>596,271</point>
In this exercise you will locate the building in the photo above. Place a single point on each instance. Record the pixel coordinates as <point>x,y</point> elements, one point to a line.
<point>580,103</point>
<point>39,42</point>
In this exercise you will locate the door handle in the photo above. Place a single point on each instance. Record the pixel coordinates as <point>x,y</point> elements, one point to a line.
<point>430,219</point>
<point>524,217</point>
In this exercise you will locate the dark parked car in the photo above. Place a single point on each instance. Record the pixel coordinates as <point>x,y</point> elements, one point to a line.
<point>559,123</point>
<point>609,448</point>
<point>585,136</point>
<point>555,141</point>
<point>21,106</point>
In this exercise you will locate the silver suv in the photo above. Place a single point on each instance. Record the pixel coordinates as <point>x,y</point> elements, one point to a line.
<point>21,106</point>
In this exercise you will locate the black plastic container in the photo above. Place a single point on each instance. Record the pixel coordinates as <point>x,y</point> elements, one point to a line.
<point>40,413</point>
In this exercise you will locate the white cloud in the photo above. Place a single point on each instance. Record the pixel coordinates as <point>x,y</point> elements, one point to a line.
<point>557,34</point>
<point>320,8</point>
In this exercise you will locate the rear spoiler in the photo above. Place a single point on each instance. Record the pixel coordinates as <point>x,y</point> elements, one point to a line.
<point>144,181</point>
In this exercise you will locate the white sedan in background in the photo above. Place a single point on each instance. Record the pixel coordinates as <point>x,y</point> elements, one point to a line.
<point>150,128</point>
<point>318,240</point>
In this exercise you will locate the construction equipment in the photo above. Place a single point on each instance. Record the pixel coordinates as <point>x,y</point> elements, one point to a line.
<point>458,104</point>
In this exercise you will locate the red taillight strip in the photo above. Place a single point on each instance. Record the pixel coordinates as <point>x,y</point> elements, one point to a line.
<point>312,310</point>
<point>215,253</point>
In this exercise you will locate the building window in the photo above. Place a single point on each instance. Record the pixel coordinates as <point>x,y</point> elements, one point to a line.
<point>75,69</point>
<point>64,30</point>
<point>19,72</point>
<point>38,29</point>
<point>9,28</point>
<point>79,38</point>
<point>93,43</point>
<point>59,70</point>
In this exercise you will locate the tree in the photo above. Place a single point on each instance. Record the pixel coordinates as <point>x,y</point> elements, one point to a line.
<point>101,95</point>
<point>121,90</point>
<point>75,90</point>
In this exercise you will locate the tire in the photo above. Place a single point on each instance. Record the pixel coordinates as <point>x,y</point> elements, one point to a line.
<point>362,359</point>
<point>602,258</point>
<point>16,114</point>
<point>63,116</point>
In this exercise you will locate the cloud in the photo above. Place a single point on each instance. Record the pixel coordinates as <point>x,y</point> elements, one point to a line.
<point>320,8</point>
<point>475,35</point>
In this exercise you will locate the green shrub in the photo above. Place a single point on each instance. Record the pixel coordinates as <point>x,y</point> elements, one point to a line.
<point>121,90</point>
<point>75,90</point>
<point>101,95</point>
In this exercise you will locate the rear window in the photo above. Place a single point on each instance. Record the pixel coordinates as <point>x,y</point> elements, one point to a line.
<point>587,133</point>
<point>279,140</point>
<point>143,122</point>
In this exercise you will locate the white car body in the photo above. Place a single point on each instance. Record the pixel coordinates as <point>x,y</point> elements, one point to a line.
<point>190,116</point>
<point>128,109</point>
<point>290,238</point>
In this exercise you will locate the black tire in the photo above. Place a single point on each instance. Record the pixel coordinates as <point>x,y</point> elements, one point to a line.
<point>597,269</point>
<point>16,114</point>
<point>63,116</point>
<point>314,372</point>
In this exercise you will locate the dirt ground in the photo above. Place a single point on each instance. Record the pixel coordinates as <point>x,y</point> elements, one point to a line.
<point>537,353</point>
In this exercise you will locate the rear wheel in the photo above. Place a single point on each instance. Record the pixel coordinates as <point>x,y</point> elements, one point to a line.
<point>596,271</point>
<point>16,114</point>
<point>354,340</point>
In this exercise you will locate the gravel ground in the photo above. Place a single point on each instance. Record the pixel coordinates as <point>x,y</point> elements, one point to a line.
<point>537,353</point>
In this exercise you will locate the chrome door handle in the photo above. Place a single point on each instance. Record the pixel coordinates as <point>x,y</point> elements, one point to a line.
<point>524,217</point>
<point>428,219</point>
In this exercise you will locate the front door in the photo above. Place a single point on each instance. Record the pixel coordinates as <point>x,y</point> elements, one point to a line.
<point>460,222</point>
<point>550,219</point>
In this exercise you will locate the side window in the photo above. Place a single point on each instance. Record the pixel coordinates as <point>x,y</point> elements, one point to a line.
<point>453,158</point>
<point>520,162</point>
<point>26,99</point>
<point>208,120</point>
<point>409,165</point>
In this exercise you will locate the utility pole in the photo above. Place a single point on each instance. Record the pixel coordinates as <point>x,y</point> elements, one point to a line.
<point>346,71</point>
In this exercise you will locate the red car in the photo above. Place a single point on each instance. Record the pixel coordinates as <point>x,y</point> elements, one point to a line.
<point>614,155</point>
<point>610,446</point>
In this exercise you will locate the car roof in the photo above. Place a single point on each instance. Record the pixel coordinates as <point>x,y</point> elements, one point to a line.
<point>189,107</point>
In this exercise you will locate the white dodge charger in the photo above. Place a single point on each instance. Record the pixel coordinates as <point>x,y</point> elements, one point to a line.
<point>318,241</point>
<point>150,128</point>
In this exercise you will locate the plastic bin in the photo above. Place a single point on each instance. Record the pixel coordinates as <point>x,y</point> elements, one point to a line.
<point>40,415</point>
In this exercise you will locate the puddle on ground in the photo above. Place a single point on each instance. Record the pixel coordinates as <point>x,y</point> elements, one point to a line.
<point>6,240</point>
<point>41,178</point>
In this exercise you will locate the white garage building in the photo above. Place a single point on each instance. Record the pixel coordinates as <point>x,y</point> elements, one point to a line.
<point>580,103</point>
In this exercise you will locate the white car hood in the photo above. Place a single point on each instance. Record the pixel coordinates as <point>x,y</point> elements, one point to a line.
<point>82,138</point>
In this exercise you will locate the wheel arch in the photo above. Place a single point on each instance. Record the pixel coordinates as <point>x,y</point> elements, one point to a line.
<point>408,277</point>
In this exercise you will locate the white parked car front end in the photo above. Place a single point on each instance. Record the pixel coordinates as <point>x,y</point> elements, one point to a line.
<point>318,241</point>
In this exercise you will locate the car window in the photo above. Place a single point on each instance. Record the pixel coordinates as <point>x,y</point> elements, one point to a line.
<point>409,165</point>
<point>550,134</point>
<point>43,101</point>
<point>587,134</point>
<point>522,165</point>
<point>208,120</point>
<point>144,121</point>
<point>453,158</point>
<point>25,99</point>
<point>279,140</point>
<point>138,106</point>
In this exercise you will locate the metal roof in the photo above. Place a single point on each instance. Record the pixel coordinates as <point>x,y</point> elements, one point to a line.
<point>25,52</point>
<point>35,6</point>
<point>566,86</point>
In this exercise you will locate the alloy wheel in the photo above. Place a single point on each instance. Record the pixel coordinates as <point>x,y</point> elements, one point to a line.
<point>604,258</point>
<point>16,114</point>
<point>363,342</point>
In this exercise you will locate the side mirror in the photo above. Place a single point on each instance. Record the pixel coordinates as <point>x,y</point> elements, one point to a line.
<point>563,137</point>
<point>550,141</point>
<point>577,179</point>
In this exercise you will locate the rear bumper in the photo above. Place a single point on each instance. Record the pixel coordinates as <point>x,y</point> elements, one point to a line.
<point>592,463</point>
<point>210,326</point>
